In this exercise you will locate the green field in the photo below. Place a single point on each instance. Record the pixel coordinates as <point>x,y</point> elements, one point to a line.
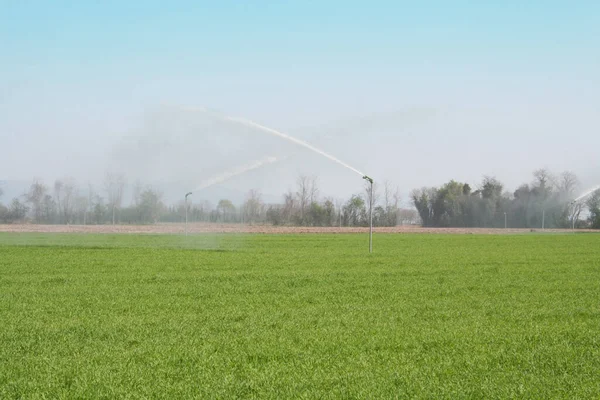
<point>308,316</point>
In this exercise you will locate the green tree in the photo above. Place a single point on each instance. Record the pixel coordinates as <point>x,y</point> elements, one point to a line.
<point>593,204</point>
<point>150,206</point>
<point>35,197</point>
<point>423,200</point>
<point>226,210</point>
<point>355,212</point>
<point>17,211</point>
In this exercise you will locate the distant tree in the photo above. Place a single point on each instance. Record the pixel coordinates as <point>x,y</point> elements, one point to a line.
<point>355,213</point>
<point>253,206</point>
<point>80,207</point>
<point>491,203</point>
<point>391,201</point>
<point>424,200</point>
<point>339,206</point>
<point>138,188</point>
<point>274,215</point>
<point>561,208</point>
<point>568,184</point>
<point>150,206</point>
<point>4,216</point>
<point>466,189</point>
<point>316,215</point>
<point>329,213</point>
<point>17,211</point>
<point>447,209</point>
<point>49,213</point>
<point>313,192</point>
<point>35,197</point>
<point>226,210</point>
<point>491,188</point>
<point>574,213</point>
<point>90,201</point>
<point>543,183</point>
<point>68,201</point>
<point>288,214</point>
<point>593,204</point>
<point>99,210</point>
<point>3,210</point>
<point>302,195</point>
<point>58,186</point>
<point>114,184</point>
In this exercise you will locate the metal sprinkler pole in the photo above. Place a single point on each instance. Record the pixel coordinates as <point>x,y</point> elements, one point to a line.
<point>573,216</point>
<point>370,180</point>
<point>186,212</point>
<point>543,218</point>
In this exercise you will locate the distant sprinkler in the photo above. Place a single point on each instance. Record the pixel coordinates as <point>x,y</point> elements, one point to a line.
<point>370,180</point>
<point>186,212</point>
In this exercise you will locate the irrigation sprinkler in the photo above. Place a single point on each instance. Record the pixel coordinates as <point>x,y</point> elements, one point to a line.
<point>186,212</point>
<point>370,180</point>
<point>505,224</point>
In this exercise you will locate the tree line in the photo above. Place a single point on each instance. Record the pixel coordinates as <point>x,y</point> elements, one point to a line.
<point>65,202</point>
<point>545,202</point>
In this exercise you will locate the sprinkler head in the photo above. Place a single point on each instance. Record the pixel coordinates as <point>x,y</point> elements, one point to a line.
<point>367,178</point>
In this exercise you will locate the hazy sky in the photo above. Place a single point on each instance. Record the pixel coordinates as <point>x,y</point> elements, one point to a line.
<point>414,92</point>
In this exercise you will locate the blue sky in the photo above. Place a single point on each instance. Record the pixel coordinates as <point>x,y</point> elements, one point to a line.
<point>77,72</point>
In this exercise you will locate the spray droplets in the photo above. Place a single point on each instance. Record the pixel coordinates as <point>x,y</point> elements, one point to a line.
<point>236,171</point>
<point>587,193</point>
<point>255,125</point>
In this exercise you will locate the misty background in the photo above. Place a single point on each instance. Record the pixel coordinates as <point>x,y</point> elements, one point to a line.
<point>416,95</point>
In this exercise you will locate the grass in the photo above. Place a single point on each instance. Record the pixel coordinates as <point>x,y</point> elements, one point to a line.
<point>309,316</point>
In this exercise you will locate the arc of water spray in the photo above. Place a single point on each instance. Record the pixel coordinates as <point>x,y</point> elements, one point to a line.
<point>237,171</point>
<point>296,141</point>
<point>587,193</point>
<point>292,139</point>
<point>280,134</point>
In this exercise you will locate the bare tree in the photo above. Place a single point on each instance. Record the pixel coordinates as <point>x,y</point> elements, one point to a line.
<point>58,186</point>
<point>575,212</point>
<point>253,207</point>
<point>303,195</point>
<point>80,205</point>
<point>289,208</point>
<point>391,198</point>
<point>150,206</point>
<point>138,188</point>
<point>90,199</point>
<point>313,189</point>
<point>568,184</point>
<point>544,180</point>
<point>424,200</point>
<point>339,205</point>
<point>396,198</point>
<point>35,197</point>
<point>114,184</point>
<point>49,209</point>
<point>68,199</point>
<point>225,210</point>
